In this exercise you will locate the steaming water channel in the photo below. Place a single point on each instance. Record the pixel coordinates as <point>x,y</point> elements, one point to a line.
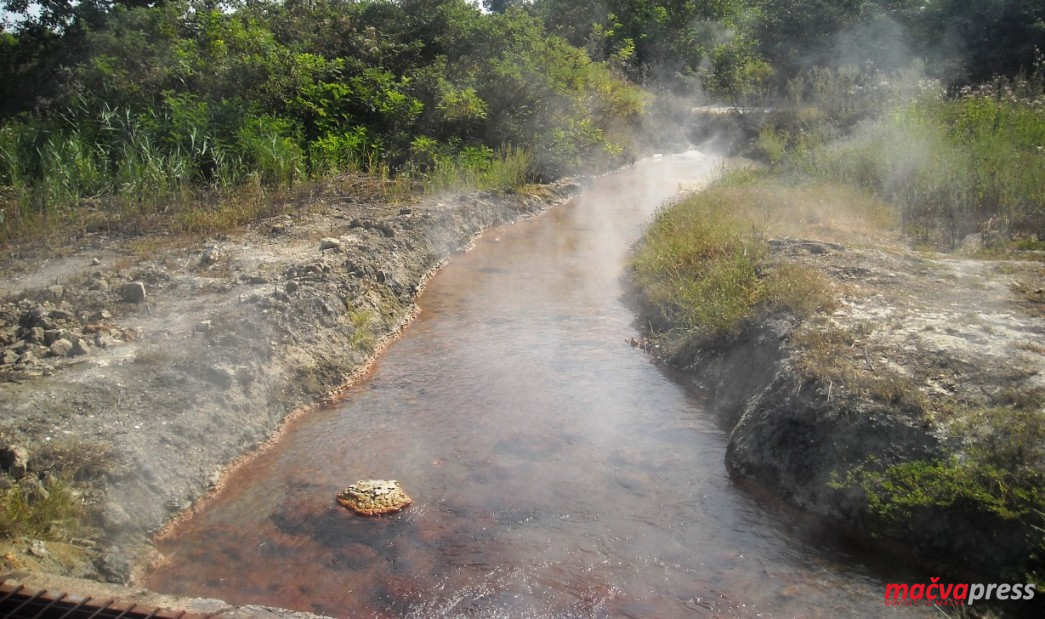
<point>555,470</point>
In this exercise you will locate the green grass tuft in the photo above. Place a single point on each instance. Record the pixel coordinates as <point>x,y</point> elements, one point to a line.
<point>55,514</point>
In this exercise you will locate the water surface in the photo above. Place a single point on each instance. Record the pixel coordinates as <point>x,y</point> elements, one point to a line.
<point>555,470</point>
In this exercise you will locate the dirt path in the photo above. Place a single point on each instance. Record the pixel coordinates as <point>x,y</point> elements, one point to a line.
<point>143,367</point>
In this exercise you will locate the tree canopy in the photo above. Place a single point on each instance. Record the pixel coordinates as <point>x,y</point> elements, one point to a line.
<point>201,91</point>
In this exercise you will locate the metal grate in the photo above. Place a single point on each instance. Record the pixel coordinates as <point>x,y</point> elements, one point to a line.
<point>21,602</point>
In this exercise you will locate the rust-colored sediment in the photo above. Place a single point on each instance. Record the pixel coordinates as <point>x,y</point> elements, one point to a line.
<point>375,511</point>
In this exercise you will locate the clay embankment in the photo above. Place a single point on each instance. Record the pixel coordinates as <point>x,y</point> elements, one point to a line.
<point>145,366</point>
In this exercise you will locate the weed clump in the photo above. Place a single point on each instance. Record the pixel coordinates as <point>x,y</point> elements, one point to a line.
<point>47,500</point>
<point>50,510</point>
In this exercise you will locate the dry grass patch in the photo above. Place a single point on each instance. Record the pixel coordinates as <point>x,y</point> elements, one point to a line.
<point>800,290</point>
<point>838,358</point>
<point>821,211</point>
<point>155,355</point>
<point>76,460</point>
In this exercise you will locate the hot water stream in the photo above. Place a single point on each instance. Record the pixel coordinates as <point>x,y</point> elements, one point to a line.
<point>555,471</point>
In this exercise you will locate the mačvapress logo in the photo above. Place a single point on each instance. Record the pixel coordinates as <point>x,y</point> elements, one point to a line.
<point>939,594</point>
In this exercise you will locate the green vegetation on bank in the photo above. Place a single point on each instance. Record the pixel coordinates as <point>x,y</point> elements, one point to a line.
<point>183,104</point>
<point>995,487</point>
<point>45,500</point>
<point>952,166</point>
<point>43,510</point>
<point>704,264</point>
<point>861,158</point>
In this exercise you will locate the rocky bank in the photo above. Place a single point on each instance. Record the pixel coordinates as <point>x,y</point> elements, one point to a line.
<point>142,367</point>
<point>927,358</point>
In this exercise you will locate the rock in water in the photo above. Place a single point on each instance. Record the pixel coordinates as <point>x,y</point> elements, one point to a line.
<point>374,496</point>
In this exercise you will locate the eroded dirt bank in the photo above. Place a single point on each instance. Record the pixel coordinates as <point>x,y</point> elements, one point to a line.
<point>143,367</point>
<point>929,367</point>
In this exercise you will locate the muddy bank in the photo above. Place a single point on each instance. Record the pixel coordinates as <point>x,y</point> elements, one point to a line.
<point>143,367</point>
<point>927,374</point>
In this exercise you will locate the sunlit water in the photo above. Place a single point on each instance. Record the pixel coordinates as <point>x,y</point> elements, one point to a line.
<point>555,470</point>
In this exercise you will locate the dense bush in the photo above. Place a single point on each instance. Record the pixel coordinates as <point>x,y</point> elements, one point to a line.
<point>954,166</point>
<point>165,101</point>
<point>133,105</point>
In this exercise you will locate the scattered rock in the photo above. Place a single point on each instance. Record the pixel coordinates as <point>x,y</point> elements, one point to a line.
<point>368,224</point>
<point>329,243</point>
<point>80,347</point>
<point>211,256</point>
<point>14,458</point>
<point>61,314</point>
<point>37,549</point>
<point>373,497</point>
<point>39,316</point>
<point>291,287</point>
<point>60,348</point>
<point>36,335</point>
<point>100,327</point>
<point>53,335</point>
<point>114,517</point>
<point>134,292</point>
<point>55,292</point>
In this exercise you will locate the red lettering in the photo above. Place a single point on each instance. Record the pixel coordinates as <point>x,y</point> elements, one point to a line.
<point>929,590</point>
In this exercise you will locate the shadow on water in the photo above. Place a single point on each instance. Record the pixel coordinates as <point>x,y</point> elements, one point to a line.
<point>555,471</point>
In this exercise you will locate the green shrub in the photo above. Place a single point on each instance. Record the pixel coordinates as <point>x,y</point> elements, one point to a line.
<point>953,167</point>
<point>995,485</point>
<point>54,514</point>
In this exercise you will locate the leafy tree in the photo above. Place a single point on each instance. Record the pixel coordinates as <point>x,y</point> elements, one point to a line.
<point>973,40</point>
